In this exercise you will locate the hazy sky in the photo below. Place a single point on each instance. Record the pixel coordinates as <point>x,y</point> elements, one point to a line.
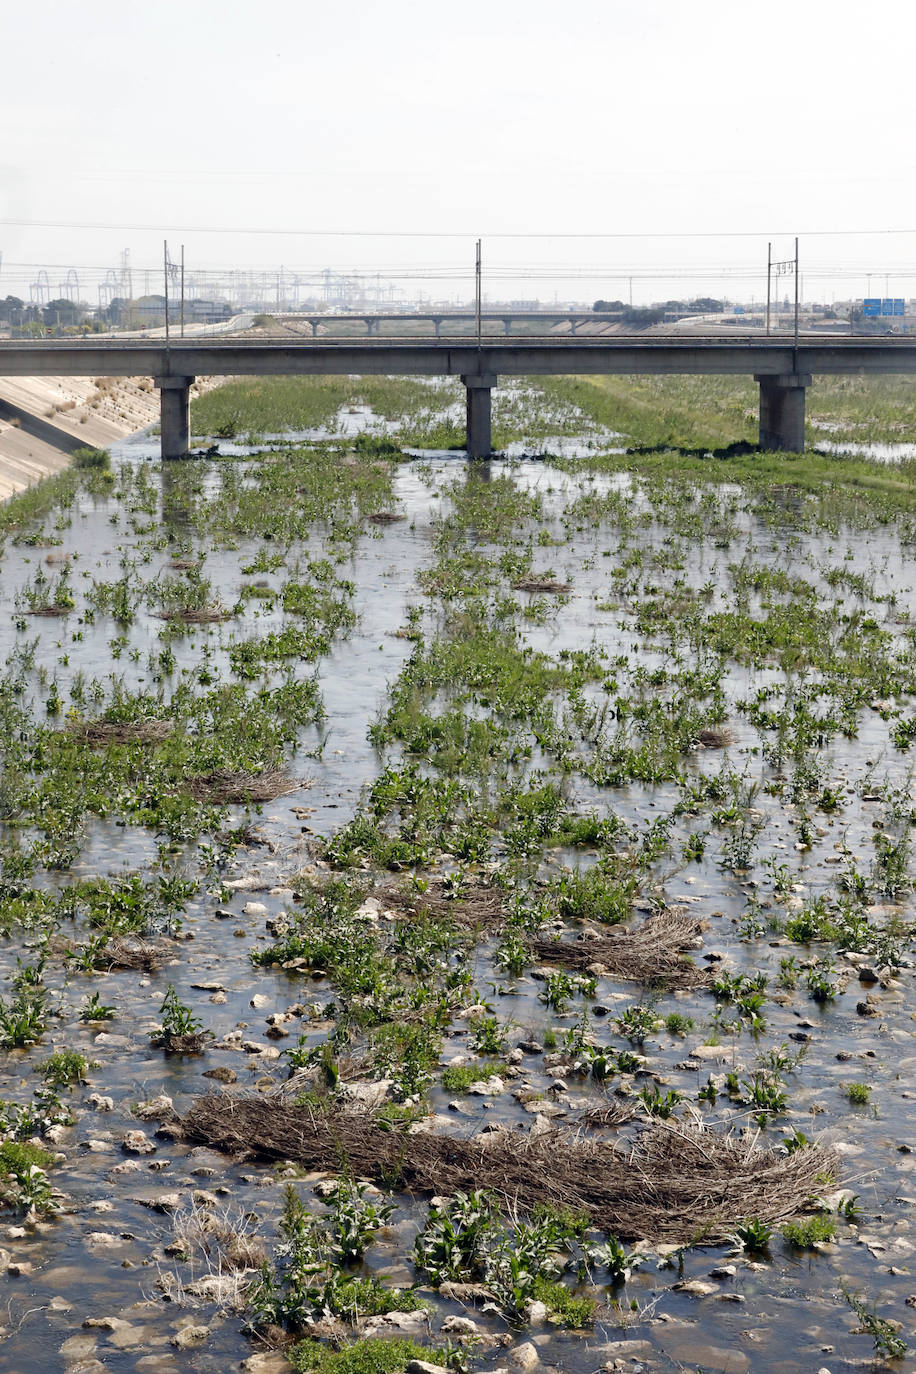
<point>196,120</point>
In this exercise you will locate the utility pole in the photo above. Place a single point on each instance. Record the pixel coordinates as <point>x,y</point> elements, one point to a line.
<point>165,276</point>
<point>796,295</point>
<point>769,270</point>
<point>780,269</point>
<point>182,290</point>
<point>478,291</point>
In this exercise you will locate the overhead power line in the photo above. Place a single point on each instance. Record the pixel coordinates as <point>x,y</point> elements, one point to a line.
<point>455,234</point>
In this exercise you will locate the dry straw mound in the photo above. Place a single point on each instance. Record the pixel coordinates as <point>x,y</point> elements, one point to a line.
<point>677,1182</point>
<point>653,952</point>
<point>102,732</point>
<point>225,786</point>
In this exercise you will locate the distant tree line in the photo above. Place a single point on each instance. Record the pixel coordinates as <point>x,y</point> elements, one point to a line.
<point>57,314</point>
<point>654,314</point>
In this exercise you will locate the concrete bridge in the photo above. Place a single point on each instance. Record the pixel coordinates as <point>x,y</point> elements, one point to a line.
<point>379,324</point>
<point>783,370</point>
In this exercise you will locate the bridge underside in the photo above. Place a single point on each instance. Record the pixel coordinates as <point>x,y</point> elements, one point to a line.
<point>782,413</point>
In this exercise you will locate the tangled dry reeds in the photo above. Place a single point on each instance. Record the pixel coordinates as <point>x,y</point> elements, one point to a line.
<point>542,584</point>
<point>102,732</point>
<point>653,952</point>
<point>226,786</point>
<point>133,952</point>
<point>676,1182</point>
<point>196,615</point>
<point>475,905</point>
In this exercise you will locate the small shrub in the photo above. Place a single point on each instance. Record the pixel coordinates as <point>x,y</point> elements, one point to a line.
<point>91,458</point>
<point>884,1333</point>
<point>562,1305</point>
<point>637,1022</point>
<point>369,1356</point>
<point>753,1235</point>
<point>63,1069</point>
<point>94,1009</point>
<point>812,1231</point>
<point>457,1078</point>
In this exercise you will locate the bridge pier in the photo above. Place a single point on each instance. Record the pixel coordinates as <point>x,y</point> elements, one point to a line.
<point>782,411</point>
<point>174,415</point>
<point>479,386</point>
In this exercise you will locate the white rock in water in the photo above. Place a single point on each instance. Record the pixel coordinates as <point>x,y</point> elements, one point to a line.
<point>463,1326</point>
<point>189,1337</point>
<point>492,1087</point>
<point>136,1143</point>
<point>524,1356</point>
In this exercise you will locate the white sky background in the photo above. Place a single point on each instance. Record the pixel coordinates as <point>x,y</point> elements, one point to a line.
<point>490,117</point>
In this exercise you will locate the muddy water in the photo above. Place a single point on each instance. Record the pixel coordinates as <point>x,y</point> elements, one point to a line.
<point>104,1256</point>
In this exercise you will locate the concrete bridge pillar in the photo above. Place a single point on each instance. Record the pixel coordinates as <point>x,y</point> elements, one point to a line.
<point>437,326</point>
<point>479,387</point>
<point>782,411</point>
<point>174,415</point>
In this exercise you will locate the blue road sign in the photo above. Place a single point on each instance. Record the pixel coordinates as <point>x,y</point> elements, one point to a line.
<point>871,306</point>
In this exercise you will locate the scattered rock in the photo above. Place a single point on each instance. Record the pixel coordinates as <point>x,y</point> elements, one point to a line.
<point>222,1074</point>
<point>492,1087</point>
<point>524,1356</point>
<point>165,1202</point>
<point>153,1109</point>
<point>463,1326</point>
<point>189,1337</point>
<point>79,1346</point>
<point>535,1313</point>
<point>136,1143</point>
<point>368,1095</point>
<point>625,1350</point>
<point>266,1362</point>
<point>465,1292</point>
<point>410,1322</point>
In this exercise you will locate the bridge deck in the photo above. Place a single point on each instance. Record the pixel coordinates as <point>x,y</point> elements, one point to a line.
<point>622,354</point>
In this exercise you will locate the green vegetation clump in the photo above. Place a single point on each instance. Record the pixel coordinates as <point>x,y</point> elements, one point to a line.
<point>91,458</point>
<point>814,1230</point>
<point>564,1307</point>
<point>64,1069</point>
<point>457,1078</point>
<point>374,1355</point>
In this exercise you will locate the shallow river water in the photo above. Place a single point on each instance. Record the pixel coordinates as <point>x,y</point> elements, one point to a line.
<point>104,1257</point>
